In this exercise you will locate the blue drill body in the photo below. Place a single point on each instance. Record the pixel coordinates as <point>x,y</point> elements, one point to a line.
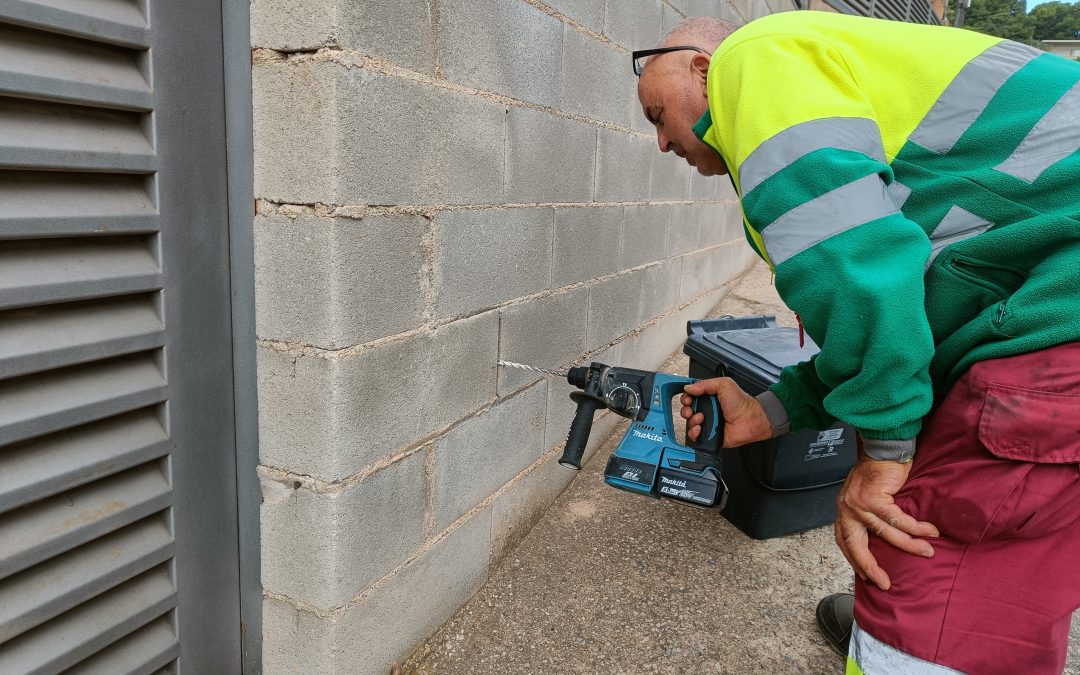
<point>649,459</point>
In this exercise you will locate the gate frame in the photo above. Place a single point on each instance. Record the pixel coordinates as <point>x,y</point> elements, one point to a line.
<point>240,173</point>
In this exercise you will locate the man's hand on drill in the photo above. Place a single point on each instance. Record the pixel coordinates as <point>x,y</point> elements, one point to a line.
<point>865,505</point>
<point>744,418</point>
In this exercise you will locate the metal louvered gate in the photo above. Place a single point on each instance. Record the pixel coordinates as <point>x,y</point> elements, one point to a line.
<point>118,504</point>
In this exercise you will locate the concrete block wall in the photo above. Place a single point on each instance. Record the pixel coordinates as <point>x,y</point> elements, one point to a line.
<point>441,184</point>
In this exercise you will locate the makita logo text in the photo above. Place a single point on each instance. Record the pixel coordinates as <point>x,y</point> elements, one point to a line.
<point>671,481</point>
<point>648,437</point>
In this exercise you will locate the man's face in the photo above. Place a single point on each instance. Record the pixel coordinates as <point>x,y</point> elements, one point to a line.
<point>673,97</point>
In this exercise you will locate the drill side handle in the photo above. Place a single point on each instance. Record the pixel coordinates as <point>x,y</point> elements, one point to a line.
<point>580,429</point>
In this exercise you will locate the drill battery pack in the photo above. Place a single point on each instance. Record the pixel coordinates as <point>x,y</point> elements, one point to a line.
<point>787,484</point>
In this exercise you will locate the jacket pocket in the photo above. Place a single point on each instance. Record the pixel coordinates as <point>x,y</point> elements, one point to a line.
<point>998,281</point>
<point>1029,425</point>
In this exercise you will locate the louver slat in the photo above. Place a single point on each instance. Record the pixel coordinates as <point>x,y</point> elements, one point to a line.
<point>35,533</point>
<point>47,466</point>
<point>79,204</point>
<point>58,68</point>
<point>56,336</point>
<point>73,636</point>
<point>115,21</point>
<point>47,590</point>
<point>62,270</point>
<point>40,404</point>
<point>35,135</point>
<point>143,652</point>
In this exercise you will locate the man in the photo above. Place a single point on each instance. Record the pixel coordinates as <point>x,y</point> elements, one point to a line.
<point>916,191</point>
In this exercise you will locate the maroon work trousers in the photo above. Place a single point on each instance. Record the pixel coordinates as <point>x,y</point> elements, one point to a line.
<point>997,470</point>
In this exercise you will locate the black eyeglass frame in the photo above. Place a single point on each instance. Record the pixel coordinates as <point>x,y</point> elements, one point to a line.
<point>642,53</point>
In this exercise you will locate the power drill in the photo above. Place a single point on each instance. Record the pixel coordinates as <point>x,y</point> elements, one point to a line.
<point>649,460</point>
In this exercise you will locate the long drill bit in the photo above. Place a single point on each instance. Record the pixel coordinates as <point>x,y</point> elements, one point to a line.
<point>545,371</point>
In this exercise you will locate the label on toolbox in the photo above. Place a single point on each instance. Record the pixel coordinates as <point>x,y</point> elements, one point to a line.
<point>827,445</point>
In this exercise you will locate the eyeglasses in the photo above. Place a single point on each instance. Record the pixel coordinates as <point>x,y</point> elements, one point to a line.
<point>644,53</point>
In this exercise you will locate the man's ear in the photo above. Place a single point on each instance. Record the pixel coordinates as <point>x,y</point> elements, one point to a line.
<point>699,66</point>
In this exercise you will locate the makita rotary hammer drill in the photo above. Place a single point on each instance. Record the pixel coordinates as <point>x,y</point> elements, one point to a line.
<point>649,460</point>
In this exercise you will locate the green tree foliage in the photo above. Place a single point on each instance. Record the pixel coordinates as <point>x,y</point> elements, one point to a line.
<point>1056,21</point>
<point>1053,20</point>
<point>1004,18</point>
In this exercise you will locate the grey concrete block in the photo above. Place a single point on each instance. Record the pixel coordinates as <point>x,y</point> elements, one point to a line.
<point>758,9</point>
<point>324,549</point>
<point>480,455</point>
<point>660,289</point>
<point>669,18</point>
<point>706,270</point>
<point>369,637</point>
<point>587,242</point>
<point>684,229</point>
<point>546,332</point>
<point>597,80</point>
<point>614,308</point>
<point>776,6</point>
<point>291,25</point>
<point>294,131</point>
<point>314,125</point>
<point>719,223</point>
<point>505,46</point>
<point>331,418</point>
<point>652,346</point>
<point>645,230</point>
<point>483,258</point>
<point>589,13</point>
<point>548,158</point>
<point>335,282</point>
<point>669,176</point>
<point>711,187</point>
<point>523,504</point>
<point>635,24</point>
<point>401,32</point>
<point>746,9</point>
<point>704,8</point>
<point>295,642</point>
<point>623,166</point>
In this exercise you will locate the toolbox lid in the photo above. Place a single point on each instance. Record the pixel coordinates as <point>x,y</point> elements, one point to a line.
<point>755,346</point>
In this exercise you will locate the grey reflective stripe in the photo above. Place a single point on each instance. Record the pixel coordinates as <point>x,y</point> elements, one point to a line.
<point>957,225</point>
<point>845,133</point>
<point>969,93</point>
<point>1055,137</point>
<point>830,214</point>
<point>899,193</point>
<point>874,657</point>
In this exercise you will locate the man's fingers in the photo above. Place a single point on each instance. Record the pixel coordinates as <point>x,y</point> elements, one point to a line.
<point>895,516</point>
<point>838,536</point>
<point>856,549</point>
<point>895,536</point>
<point>686,400</point>
<point>693,432</point>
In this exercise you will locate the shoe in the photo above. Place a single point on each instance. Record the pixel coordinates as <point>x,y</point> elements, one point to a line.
<point>835,617</point>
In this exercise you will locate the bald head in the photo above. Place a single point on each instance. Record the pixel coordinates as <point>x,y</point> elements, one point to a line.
<point>704,32</point>
<point>673,92</point>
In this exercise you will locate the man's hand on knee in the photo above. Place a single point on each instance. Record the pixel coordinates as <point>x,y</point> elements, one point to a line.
<point>865,506</point>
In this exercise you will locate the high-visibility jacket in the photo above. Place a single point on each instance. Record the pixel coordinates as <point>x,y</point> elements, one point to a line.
<point>916,190</point>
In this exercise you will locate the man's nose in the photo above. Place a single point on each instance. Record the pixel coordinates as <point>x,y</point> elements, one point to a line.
<point>663,142</point>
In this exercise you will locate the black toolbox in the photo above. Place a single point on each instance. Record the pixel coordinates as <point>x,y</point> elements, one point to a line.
<point>787,484</point>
